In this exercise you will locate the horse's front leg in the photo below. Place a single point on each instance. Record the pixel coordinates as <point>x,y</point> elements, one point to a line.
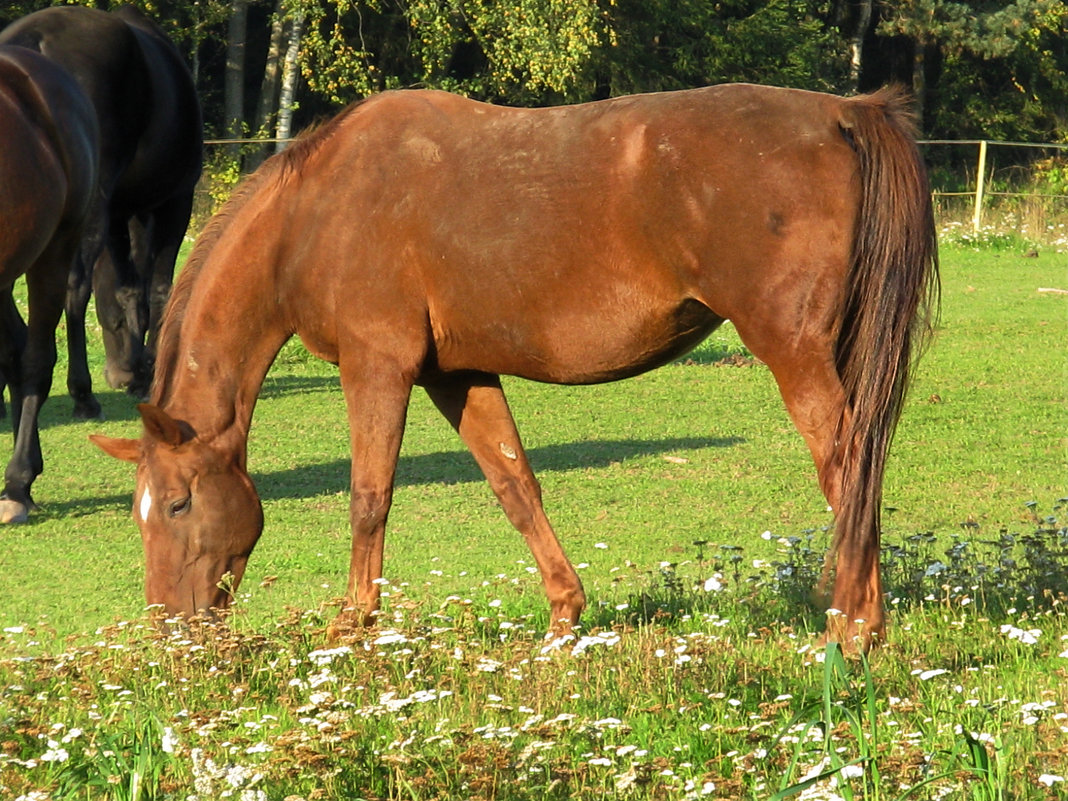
<point>477,408</point>
<point>46,290</point>
<point>377,408</point>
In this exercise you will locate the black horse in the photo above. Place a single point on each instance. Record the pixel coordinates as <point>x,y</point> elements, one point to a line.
<point>49,145</point>
<point>150,160</point>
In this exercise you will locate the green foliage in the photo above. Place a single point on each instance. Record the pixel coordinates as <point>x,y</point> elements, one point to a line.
<point>532,49</point>
<point>1002,65</point>
<point>670,45</point>
<point>527,51</point>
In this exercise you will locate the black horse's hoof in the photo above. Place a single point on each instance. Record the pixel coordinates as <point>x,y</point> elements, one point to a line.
<point>88,410</point>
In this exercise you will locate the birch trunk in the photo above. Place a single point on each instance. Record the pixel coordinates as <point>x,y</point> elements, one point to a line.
<point>290,75</point>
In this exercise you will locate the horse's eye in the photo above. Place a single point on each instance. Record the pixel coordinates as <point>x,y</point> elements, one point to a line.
<point>180,507</point>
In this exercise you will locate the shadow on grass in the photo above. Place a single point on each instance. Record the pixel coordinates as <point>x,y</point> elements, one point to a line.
<point>459,467</point>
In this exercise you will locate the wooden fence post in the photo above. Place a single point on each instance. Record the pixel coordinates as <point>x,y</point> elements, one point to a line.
<point>980,182</point>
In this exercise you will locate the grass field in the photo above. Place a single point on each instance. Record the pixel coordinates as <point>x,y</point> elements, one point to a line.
<point>689,502</point>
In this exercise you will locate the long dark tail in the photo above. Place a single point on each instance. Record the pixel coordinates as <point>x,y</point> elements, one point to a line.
<point>888,308</point>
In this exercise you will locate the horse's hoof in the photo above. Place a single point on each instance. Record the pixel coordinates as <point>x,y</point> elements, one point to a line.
<point>13,511</point>
<point>88,410</point>
<point>349,624</point>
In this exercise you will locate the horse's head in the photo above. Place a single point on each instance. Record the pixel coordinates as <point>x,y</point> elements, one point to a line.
<point>198,512</point>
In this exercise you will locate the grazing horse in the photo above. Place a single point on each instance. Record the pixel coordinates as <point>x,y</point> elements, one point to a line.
<point>151,157</point>
<point>420,238</point>
<point>48,161</point>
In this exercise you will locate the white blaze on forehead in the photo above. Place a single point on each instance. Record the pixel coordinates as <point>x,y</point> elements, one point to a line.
<point>146,503</point>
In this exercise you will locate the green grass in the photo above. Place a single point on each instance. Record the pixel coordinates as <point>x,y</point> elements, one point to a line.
<point>656,485</point>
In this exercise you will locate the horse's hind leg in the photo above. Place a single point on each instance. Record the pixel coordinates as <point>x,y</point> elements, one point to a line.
<point>79,291</point>
<point>168,228</point>
<point>79,380</point>
<point>476,407</point>
<point>815,399</point>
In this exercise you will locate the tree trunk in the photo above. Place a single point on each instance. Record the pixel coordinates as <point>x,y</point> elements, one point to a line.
<point>267,106</point>
<point>919,82</point>
<point>290,74</point>
<point>856,42</point>
<point>234,86</point>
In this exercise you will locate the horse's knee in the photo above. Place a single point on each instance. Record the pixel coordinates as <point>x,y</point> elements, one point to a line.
<point>369,508</point>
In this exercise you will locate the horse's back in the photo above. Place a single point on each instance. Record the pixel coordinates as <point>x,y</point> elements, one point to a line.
<point>48,158</point>
<point>580,243</point>
<point>170,151</point>
<point>143,94</point>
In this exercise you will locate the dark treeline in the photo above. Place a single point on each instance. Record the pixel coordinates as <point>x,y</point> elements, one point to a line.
<point>980,69</point>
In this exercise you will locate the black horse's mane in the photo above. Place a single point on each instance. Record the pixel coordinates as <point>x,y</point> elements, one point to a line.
<point>278,169</point>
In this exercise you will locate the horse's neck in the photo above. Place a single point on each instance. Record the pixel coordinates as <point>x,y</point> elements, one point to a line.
<point>231,333</point>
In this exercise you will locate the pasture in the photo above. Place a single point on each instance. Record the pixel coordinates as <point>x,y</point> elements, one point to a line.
<point>689,502</point>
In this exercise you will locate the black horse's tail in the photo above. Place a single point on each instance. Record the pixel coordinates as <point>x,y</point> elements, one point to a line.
<point>890,299</point>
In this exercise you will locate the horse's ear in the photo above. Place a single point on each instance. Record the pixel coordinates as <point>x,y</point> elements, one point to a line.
<point>129,450</point>
<point>161,426</point>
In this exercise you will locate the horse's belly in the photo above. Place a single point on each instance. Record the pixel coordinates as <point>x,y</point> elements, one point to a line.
<point>577,348</point>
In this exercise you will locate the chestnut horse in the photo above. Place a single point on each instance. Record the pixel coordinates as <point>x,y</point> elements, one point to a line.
<point>49,145</point>
<point>422,238</point>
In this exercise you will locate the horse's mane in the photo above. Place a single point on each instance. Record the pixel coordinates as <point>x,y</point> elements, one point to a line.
<point>280,168</point>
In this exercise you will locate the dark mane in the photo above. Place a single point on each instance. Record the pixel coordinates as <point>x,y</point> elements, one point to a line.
<point>278,169</point>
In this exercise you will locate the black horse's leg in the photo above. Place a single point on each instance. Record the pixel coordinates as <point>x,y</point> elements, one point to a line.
<point>79,290</point>
<point>476,407</point>
<point>117,288</point>
<point>166,233</point>
<point>12,343</point>
<point>46,288</point>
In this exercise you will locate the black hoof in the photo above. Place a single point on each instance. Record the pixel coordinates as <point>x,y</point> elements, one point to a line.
<point>88,409</point>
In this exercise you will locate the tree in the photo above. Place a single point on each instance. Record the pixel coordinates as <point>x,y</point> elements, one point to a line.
<point>234,83</point>
<point>670,44</point>
<point>980,54</point>
<point>525,51</point>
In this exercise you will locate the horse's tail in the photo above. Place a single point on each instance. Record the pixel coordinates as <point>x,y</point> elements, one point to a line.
<point>890,298</point>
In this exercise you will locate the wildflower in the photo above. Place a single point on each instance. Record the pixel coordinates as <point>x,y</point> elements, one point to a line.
<point>927,675</point>
<point>170,741</point>
<point>625,781</point>
<point>1026,636</point>
<point>390,637</point>
<point>713,583</point>
<point>602,545</point>
<point>324,657</point>
<point>851,771</point>
<point>55,753</point>
<point>608,638</point>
